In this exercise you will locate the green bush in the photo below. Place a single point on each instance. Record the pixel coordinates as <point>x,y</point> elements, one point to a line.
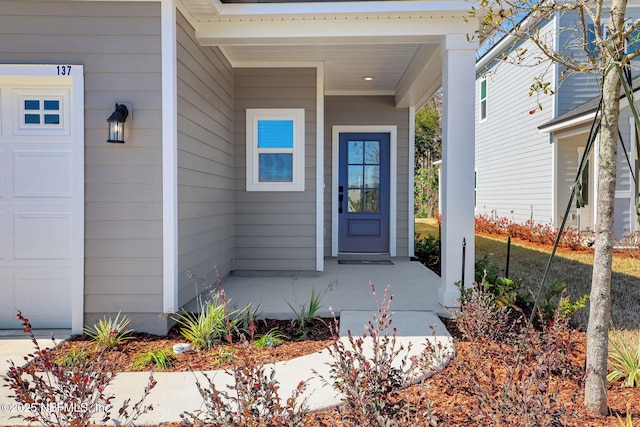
<point>427,251</point>
<point>161,359</point>
<point>108,333</point>
<point>213,323</point>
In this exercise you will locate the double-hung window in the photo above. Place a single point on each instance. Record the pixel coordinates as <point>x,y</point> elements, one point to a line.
<point>483,100</point>
<point>275,149</point>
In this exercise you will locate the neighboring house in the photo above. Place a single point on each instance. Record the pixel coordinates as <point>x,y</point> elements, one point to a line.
<point>526,157</point>
<point>569,132</point>
<point>260,137</point>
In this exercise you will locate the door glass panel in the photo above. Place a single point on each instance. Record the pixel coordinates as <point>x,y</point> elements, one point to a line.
<point>372,176</point>
<point>355,200</point>
<point>355,176</point>
<point>371,200</point>
<point>356,152</point>
<point>372,152</point>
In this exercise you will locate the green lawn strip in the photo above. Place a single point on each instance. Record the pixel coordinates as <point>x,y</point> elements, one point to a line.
<point>574,269</point>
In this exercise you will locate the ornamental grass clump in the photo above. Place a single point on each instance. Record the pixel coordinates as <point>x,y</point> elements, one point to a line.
<point>624,363</point>
<point>73,394</point>
<point>108,332</point>
<point>213,322</point>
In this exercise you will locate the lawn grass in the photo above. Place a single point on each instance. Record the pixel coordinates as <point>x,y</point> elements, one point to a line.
<point>527,264</point>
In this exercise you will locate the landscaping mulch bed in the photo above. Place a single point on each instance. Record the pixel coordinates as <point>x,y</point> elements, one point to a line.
<point>452,398</point>
<point>455,403</point>
<point>219,357</point>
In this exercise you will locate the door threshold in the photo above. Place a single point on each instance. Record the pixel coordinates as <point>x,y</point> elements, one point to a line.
<point>364,259</point>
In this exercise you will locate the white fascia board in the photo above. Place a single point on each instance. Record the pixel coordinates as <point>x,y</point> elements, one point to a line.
<point>329,31</point>
<point>244,9</point>
<point>582,119</point>
<point>576,121</point>
<point>500,47</point>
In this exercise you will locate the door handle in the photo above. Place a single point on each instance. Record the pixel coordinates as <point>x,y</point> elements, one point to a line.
<point>340,198</point>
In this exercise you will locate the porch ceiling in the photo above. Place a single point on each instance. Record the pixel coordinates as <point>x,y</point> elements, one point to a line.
<point>396,42</point>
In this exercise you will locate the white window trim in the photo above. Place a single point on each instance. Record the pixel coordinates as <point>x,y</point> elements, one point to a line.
<point>298,176</point>
<point>486,91</point>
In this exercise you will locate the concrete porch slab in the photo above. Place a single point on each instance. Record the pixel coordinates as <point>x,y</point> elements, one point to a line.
<point>343,287</point>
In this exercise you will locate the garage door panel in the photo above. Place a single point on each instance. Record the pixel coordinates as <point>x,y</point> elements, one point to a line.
<point>42,236</point>
<point>41,177</point>
<point>7,300</point>
<point>5,235</point>
<point>5,173</point>
<point>42,173</point>
<point>52,311</point>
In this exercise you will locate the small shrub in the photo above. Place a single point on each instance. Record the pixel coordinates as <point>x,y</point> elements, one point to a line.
<point>214,322</point>
<point>108,333</point>
<point>205,328</point>
<point>225,354</point>
<point>251,401</point>
<point>72,358</point>
<point>367,377</point>
<point>306,314</point>
<point>554,299</point>
<point>529,231</point>
<point>523,390</point>
<point>486,270</point>
<point>427,251</point>
<point>161,359</point>
<point>624,362</point>
<point>60,395</point>
<point>273,338</point>
<point>479,318</point>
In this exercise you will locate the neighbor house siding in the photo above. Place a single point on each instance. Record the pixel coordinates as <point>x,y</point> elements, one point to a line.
<point>576,88</point>
<point>205,162</point>
<point>275,230</point>
<point>513,160</point>
<point>119,46</point>
<point>372,111</point>
<point>624,211</point>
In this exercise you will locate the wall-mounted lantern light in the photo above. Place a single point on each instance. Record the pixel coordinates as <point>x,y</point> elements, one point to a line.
<point>116,123</point>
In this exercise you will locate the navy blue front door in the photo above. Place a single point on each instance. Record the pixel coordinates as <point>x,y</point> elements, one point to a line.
<point>363,193</point>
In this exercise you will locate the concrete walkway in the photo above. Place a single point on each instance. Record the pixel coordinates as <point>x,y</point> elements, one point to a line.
<point>344,288</point>
<point>176,392</point>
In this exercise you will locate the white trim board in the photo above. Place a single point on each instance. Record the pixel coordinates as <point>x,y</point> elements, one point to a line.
<point>393,171</point>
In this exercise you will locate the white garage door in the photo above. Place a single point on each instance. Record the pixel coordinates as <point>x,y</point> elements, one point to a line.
<point>40,206</point>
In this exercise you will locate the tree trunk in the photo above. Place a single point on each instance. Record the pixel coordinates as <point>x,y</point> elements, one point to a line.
<point>600,300</point>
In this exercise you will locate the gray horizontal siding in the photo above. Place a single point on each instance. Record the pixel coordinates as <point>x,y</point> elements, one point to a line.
<point>370,110</point>
<point>118,43</point>
<point>514,161</point>
<point>267,222</point>
<point>205,162</point>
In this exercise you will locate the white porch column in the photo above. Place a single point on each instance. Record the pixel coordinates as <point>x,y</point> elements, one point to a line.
<point>169,158</point>
<point>458,161</point>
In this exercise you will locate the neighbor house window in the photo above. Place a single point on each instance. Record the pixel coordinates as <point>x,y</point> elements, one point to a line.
<point>483,99</point>
<point>275,149</point>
